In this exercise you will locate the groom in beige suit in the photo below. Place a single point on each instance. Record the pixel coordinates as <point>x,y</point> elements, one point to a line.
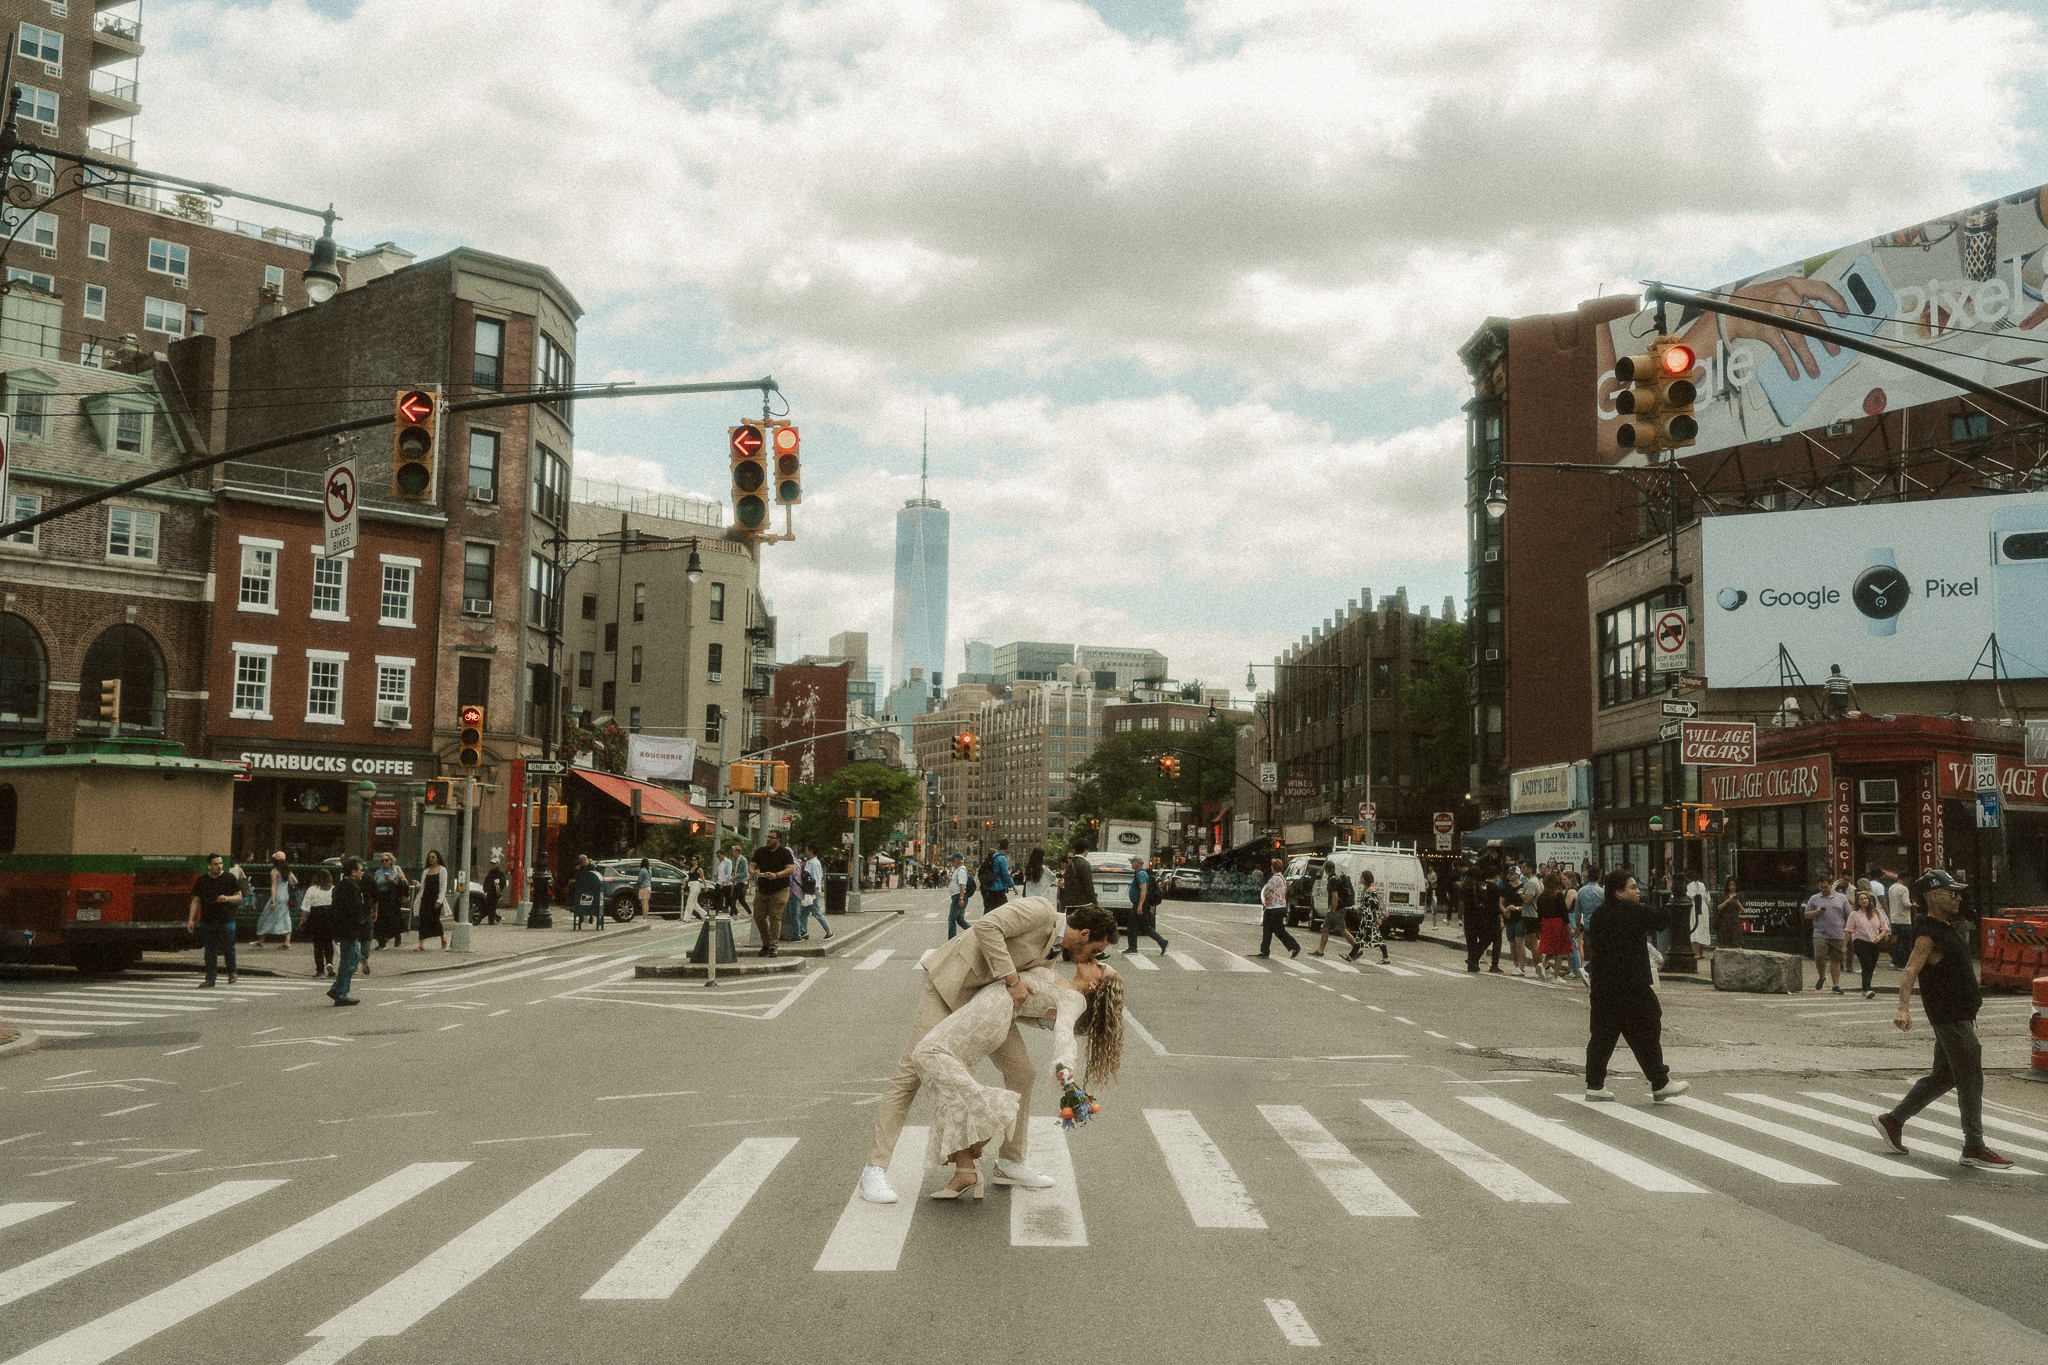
<point>1022,934</point>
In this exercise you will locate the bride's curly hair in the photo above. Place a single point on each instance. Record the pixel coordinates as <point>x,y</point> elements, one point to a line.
<point>1102,1023</point>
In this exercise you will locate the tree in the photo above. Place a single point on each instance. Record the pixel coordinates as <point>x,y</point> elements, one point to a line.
<point>1121,779</point>
<point>821,821</point>
<point>1438,709</point>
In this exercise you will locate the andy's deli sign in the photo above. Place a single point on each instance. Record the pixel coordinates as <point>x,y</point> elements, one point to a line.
<point>1783,783</point>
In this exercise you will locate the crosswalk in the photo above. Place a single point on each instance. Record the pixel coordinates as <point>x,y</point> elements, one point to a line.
<point>1226,1169</point>
<point>92,1009</point>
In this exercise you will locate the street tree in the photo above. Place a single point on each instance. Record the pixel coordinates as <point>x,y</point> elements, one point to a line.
<point>1121,779</point>
<point>1438,710</point>
<point>821,820</point>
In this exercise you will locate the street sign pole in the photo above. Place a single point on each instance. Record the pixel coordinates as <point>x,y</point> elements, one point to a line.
<point>853,887</point>
<point>458,936</point>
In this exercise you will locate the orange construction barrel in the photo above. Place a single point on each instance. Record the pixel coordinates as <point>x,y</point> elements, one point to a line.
<point>2040,1028</point>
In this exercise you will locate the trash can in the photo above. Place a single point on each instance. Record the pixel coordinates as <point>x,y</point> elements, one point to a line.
<point>835,893</point>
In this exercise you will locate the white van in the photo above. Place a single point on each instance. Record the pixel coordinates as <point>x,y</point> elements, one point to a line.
<point>1396,875</point>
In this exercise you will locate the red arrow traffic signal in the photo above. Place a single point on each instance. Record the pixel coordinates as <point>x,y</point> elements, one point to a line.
<point>416,406</point>
<point>746,442</point>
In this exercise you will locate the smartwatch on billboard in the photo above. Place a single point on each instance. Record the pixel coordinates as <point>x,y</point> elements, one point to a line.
<point>1881,592</point>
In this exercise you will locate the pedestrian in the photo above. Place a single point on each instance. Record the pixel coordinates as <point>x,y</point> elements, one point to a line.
<point>1899,912</point>
<point>432,880</point>
<point>1699,917</point>
<point>1038,878</point>
<point>1728,916</point>
<point>1508,906</point>
<point>1940,964</point>
<point>1077,878</point>
<point>1144,907</point>
<point>1532,891</point>
<point>1273,913</point>
<point>1372,917</point>
<point>1591,895</point>
<point>390,890</point>
<point>216,896</point>
<point>1337,912</point>
<point>1478,904</point>
<point>317,923</point>
<point>1842,697</point>
<point>1624,1003</point>
<point>1828,910</point>
<point>494,887</point>
<point>276,921</point>
<point>693,888</point>
<point>1868,932</point>
<point>774,874</point>
<point>959,886</point>
<point>643,887</point>
<point>352,914</point>
<point>732,878</point>
<point>997,889</point>
<point>810,882</point>
<point>586,896</point>
<point>1553,928</point>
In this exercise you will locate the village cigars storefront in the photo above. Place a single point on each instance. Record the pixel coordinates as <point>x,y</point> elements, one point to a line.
<point>310,800</point>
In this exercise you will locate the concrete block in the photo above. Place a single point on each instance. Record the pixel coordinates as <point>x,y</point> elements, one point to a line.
<point>1744,969</point>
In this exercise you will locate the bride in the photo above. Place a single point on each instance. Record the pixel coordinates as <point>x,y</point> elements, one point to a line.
<point>966,1114</point>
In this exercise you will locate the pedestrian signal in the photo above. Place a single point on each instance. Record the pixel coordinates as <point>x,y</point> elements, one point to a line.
<point>441,793</point>
<point>469,742</point>
<point>416,427</point>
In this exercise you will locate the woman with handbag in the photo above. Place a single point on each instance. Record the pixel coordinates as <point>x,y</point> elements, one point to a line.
<point>1868,933</point>
<point>431,881</point>
<point>316,922</point>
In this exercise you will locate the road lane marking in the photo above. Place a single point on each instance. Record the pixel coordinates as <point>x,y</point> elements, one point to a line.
<point>870,1237</point>
<point>1768,1167</point>
<point>81,1256</point>
<point>1131,1022</point>
<point>1488,1171</point>
<point>496,976</point>
<point>125,1328</point>
<point>103,1003</point>
<point>875,959</point>
<point>1443,971</point>
<point>1346,967</point>
<point>458,1263</point>
<point>539,1137</point>
<point>1291,1323</point>
<point>659,1262</point>
<point>604,966</point>
<point>1409,1022</point>
<point>1998,1231</point>
<point>1352,998</point>
<point>1855,1156</point>
<point>1434,1034</point>
<point>1187,962</point>
<point>810,979</point>
<point>116,1113</point>
<point>1049,1217</point>
<point>648,1095</point>
<point>1214,1196</point>
<point>1392,969</point>
<point>10,1214</point>
<point>1233,963</point>
<point>1302,967</point>
<point>1354,1185</point>
<point>1612,1160</point>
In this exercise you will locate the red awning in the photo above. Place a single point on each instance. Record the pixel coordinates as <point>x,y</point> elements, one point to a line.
<point>658,805</point>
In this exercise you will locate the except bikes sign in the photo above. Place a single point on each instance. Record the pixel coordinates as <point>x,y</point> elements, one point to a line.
<point>1717,743</point>
<point>1786,782</point>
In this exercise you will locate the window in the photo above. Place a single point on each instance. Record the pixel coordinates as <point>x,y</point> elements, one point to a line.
<point>273,279</point>
<point>46,283</point>
<point>91,353</point>
<point>96,302</point>
<point>1963,426</point>
<point>31,103</point>
<point>131,430</point>
<point>611,637</point>
<point>550,484</point>
<point>39,229</point>
<point>1625,651</point>
<point>554,370</point>
<point>1180,722</point>
<point>472,681</point>
<point>330,587</point>
<point>37,171</point>
<point>41,45</point>
<point>163,315</point>
<point>477,563</point>
<point>636,663</point>
<point>31,414</point>
<point>590,606</point>
<point>394,605</point>
<point>715,660</point>
<point>1123,727</point>
<point>490,350</point>
<point>540,693</point>
<point>586,668</point>
<point>99,241</point>
<point>718,601</point>
<point>1383,677</point>
<point>323,687</point>
<point>713,717</point>
<point>633,721</point>
<point>252,682</point>
<point>1148,723</point>
<point>483,459</point>
<point>394,682</point>
<point>131,534</point>
<point>639,601</point>
<point>544,580</point>
<point>168,258</point>
<point>1383,755</point>
<point>259,575</point>
<point>20,506</point>
<point>609,696</point>
<point>24,673</point>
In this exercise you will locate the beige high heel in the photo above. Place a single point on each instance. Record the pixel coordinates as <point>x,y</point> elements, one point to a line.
<point>977,1189</point>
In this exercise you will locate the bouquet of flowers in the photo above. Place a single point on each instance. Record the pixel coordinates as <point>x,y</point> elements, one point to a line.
<point>1077,1106</point>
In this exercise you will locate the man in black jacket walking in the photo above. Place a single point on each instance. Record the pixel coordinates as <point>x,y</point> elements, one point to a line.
<point>353,919</point>
<point>1624,997</point>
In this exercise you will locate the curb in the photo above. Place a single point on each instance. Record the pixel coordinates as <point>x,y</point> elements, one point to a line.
<point>1700,978</point>
<point>843,940</point>
<point>28,1042</point>
<point>466,961</point>
<point>693,971</point>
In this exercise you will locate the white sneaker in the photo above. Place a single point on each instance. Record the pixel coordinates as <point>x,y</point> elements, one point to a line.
<point>1599,1094</point>
<point>874,1185</point>
<point>1017,1173</point>
<point>1670,1089</point>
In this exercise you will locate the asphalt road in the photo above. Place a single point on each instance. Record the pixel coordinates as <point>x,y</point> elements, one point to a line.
<point>551,1160</point>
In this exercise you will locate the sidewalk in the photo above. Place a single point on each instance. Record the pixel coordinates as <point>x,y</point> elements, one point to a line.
<point>489,943</point>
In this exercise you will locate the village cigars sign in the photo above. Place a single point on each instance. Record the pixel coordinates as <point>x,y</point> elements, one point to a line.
<point>1717,743</point>
<point>1787,782</point>
<point>2018,784</point>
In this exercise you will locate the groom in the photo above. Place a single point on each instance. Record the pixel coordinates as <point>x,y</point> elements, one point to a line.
<point>1019,935</point>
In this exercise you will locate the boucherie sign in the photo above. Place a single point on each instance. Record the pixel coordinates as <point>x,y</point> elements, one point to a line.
<point>1783,783</point>
<point>1717,743</point>
<point>1956,776</point>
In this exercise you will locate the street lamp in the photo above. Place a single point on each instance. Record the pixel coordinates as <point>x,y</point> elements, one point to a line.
<point>695,571</point>
<point>322,275</point>
<point>1497,498</point>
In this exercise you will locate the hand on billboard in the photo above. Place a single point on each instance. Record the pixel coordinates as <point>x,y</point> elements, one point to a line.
<point>1791,296</point>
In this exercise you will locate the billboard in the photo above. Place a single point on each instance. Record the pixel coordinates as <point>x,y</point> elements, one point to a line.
<point>1899,592</point>
<point>651,758</point>
<point>1968,292</point>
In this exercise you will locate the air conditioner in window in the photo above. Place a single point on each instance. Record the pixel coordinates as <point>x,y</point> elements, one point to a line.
<point>1493,656</point>
<point>483,495</point>
<point>1493,556</point>
<point>476,606</point>
<point>49,70</point>
<point>1878,791</point>
<point>50,128</point>
<point>1878,822</point>
<point>718,677</point>
<point>393,713</point>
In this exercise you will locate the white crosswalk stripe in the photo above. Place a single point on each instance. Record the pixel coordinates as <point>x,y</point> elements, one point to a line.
<point>1768,1167</point>
<point>1050,1217</point>
<point>1354,1185</point>
<point>870,1237</point>
<point>1137,962</point>
<point>659,1263</point>
<point>1186,961</point>
<point>874,959</point>
<point>1215,1197</point>
<point>1990,1121</point>
<point>10,1214</point>
<point>1615,1162</point>
<point>98,1249</point>
<point>1855,1156</point>
<point>1950,1131</point>
<point>1486,1169</point>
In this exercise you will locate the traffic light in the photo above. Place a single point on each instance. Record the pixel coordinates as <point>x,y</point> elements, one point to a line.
<point>749,450</point>
<point>861,810</point>
<point>416,427</point>
<point>441,793</point>
<point>967,745</point>
<point>988,824</point>
<point>789,474</point>
<point>871,810</point>
<point>110,701</point>
<point>1659,402</point>
<point>960,747</point>
<point>956,822</point>
<point>469,752</point>
<point>1703,822</point>
<point>974,747</point>
<point>1169,766</point>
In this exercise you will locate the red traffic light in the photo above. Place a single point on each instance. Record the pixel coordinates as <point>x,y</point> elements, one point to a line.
<point>473,715</point>
<point>746,442</point>
<point>417,406</point>
<point>1678,359</point>
<point>786,440</point>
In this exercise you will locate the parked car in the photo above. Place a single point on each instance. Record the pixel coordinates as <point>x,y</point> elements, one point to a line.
<point>1305,893</point>
<point>1183,883</point>
<point>621,888</point>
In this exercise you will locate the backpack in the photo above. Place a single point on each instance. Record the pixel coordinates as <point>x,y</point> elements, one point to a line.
<point>986,873</point>
<point>1344,897</point>
<point>810,883</point>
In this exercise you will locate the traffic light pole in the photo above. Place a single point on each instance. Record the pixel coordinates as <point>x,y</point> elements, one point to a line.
<point>853,884</point>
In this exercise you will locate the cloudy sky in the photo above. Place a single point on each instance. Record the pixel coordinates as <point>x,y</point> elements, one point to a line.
<point>1181,285</point>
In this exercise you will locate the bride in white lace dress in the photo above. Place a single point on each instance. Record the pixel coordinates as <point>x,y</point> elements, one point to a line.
<point>967,1114</point>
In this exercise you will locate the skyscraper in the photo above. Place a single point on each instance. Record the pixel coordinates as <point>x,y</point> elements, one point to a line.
<point>918,637</point>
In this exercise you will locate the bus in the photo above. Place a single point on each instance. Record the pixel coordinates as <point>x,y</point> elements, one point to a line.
<point>100,841</point>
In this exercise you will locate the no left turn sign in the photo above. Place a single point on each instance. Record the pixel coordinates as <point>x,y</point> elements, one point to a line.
<point>339,504</point>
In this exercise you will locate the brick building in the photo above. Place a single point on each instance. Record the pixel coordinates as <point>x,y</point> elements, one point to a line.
<point>809,700</point>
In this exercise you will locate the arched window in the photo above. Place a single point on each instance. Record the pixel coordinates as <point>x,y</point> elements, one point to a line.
<point>24,675</point>
<point>127,653</point>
